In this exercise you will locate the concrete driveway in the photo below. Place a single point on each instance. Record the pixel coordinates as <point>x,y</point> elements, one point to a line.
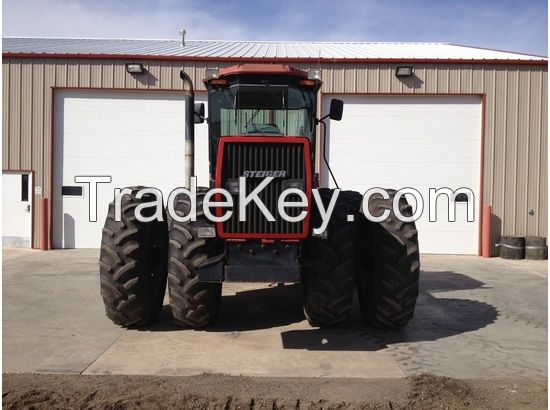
<point>475,318</point>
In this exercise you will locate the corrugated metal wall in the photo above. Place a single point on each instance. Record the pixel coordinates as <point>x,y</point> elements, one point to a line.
<point>516,123</point>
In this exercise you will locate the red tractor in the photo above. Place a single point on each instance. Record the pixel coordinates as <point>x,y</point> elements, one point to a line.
<point>262,127</point>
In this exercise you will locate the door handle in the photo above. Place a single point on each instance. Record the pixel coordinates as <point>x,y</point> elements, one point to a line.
<point>28,208</point>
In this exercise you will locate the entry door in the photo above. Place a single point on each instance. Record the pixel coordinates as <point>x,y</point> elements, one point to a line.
<point>17,209</point>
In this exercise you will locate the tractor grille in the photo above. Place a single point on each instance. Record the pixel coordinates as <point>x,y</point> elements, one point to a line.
<point>264,156</point>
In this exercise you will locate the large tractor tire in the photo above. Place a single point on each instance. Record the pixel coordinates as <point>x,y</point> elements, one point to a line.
<point>132,264</point>
<point>388,265</point>
<point>329,266</point>
<point>194,304</point>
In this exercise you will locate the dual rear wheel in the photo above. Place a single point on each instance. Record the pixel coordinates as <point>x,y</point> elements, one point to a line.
<point>137,258</point>
<point>380,257</point>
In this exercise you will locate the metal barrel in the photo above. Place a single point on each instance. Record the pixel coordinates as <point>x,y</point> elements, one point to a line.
<point>512,247</point>
<point>535,248</point>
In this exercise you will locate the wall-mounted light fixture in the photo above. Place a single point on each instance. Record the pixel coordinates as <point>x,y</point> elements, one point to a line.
<point>134,68</point>
<point>404,71</point>
<point>314,74</point>
<point>211,73</point>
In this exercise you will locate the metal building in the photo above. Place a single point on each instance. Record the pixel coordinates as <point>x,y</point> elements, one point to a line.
<point>464,117</point>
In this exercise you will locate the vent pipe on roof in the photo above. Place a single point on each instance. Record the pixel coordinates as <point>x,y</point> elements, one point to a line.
<point>182,34</point>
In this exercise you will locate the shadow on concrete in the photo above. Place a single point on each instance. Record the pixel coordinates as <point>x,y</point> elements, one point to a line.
<point>260,309</point>
<point>253,309</point>
<point>435,317</point>
<point>447,281</point>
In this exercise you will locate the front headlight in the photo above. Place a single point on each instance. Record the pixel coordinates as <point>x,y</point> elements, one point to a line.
<point>232,186</point>
<point>294,183</point>
<point>206,232</point>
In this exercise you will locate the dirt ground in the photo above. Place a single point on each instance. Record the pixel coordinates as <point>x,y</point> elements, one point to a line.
<point>211,391</point>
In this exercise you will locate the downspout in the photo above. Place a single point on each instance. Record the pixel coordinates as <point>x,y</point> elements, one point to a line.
<point>189,129</point>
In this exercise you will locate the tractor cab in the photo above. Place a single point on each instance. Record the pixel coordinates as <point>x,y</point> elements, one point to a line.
<point>261,100</point>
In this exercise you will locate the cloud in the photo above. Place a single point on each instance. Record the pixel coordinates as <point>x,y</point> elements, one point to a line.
<point>106,19</point>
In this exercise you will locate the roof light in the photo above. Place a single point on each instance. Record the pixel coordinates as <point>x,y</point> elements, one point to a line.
<point>134,68</point>
<point>212,73</point>
<point>218,81</point>
<point>314,74</point>
<point>309,83</point>
<point>404,71</point>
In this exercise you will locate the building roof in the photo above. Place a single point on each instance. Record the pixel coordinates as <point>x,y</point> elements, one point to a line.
<point>256,50</point>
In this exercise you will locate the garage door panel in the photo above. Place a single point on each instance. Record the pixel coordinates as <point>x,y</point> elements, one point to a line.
<point>442,154</point>
<point>124,134</point>
<point>411,141</point>
<point>425,132</point>
<point>453,244</point>
<point>414,122</point>
<point>123,147</point>
<point>421,174</point>
<point>137,138</point>
<point>84,101</point>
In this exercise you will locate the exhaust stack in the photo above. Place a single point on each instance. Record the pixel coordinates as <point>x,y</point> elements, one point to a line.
<point>189,128</point>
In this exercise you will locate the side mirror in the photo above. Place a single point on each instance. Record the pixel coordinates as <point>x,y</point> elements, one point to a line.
<point>199,113</point>
<point>336,109</point>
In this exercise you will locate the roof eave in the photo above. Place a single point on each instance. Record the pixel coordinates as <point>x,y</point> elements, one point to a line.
<point>369,60</point>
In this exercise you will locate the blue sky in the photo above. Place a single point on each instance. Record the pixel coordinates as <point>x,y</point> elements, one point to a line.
<point>519,25</point>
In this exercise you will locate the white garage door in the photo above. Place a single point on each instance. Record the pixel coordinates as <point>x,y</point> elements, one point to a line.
<point>137,138</point>
<point>412,141</point>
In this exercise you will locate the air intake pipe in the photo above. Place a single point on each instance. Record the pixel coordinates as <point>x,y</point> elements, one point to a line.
<point>189,128</point>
